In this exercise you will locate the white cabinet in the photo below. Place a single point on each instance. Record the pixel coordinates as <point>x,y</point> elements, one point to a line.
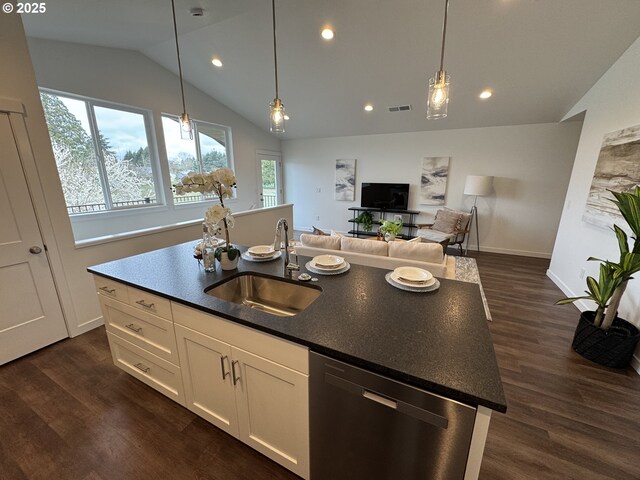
<point>207,378</point>
<point>263,403</point>
<point>273,412</point>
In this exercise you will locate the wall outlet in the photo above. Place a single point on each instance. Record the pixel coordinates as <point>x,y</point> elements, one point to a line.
<point>582,273</point>
<point>318,190</point>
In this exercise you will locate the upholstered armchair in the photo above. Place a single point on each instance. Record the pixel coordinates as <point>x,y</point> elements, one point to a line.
<point>449,227</point>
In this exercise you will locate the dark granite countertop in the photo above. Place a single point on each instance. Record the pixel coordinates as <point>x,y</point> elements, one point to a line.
<point>439,341</point>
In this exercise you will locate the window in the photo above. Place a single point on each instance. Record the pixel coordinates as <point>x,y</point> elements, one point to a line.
<point>209,149</point>
<point>102,153</point>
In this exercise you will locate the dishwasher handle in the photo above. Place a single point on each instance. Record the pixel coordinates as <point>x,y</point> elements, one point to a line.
<point>398,405</point>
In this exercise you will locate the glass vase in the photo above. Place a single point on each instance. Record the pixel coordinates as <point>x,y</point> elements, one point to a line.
<point>209,245</point>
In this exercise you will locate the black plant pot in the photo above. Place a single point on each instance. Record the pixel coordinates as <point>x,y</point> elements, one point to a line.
<point>611,348</point>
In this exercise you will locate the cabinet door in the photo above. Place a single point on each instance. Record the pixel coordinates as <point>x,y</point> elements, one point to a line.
<point>273,410</point>
<point>206,375</point>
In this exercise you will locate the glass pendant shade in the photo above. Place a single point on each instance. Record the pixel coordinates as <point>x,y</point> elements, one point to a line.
<point>186,127</point>
<point>277,116</point>
<point>438,99</point>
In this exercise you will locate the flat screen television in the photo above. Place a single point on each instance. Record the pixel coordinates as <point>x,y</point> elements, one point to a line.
<point>387,196</point>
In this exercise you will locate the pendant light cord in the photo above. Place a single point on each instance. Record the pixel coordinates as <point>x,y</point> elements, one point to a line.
<point>444,33</point>
<point>175,31</point>
<point>275,54</point>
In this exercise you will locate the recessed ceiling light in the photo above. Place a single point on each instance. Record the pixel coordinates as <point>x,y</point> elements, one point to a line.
<point>368,107</point>
<point>286,117</point>
<point>485,94</point>
<point>328,33</point>
<point>216,62</point>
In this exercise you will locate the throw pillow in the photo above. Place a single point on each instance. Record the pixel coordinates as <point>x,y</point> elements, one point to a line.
<point>317,231</point>
<point>447,221</point>
<point>422,252</point>
<point>360,245</point>
<point>415,240</point>
<point>320,241</point>
<point>336,234</point>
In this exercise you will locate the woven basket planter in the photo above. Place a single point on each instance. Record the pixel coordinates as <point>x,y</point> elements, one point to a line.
<point>612,348</point>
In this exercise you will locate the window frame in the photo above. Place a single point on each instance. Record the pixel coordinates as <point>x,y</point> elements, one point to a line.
<point>196,138</point>
<point>94,131</point>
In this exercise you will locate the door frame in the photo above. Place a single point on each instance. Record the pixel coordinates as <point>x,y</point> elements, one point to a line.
<point>270,155</point>
<point>16,112</point>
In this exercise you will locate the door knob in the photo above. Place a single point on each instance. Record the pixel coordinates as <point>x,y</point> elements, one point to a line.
<point>35,250</point>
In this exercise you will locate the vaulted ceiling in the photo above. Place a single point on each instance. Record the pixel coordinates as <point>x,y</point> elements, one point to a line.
<point>538,56</point>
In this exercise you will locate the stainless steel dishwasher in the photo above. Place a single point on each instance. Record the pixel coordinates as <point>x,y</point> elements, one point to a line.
<point>365,426</point>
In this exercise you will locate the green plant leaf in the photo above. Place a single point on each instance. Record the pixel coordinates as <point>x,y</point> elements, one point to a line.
<point>622,239</point>
<point>565,301</point>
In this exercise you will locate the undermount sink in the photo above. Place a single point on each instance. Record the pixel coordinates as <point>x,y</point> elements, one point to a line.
<point>268,294</point>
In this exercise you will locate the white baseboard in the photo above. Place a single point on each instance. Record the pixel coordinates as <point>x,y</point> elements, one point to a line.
<point>508,251</point>
<point>86,326</point>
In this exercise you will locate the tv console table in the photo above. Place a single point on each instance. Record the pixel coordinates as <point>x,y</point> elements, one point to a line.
<point>379,216</point>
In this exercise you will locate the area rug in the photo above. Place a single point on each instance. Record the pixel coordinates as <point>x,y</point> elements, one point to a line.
<point>467,271</point>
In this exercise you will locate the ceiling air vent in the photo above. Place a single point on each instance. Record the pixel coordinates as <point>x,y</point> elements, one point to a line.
<point>400,108</point>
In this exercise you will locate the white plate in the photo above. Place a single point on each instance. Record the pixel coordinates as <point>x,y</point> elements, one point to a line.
<point>327,261</point>
<point>327,269</point>
<point>333,271</point>
<point>396,278</point>
<point>251,258</point>
<point>413,274</point>
<point>411,288</point>
<point>261,250</point>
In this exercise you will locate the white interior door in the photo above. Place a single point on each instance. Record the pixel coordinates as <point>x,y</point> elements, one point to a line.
<point>270,191</point>
<point>30,312</point>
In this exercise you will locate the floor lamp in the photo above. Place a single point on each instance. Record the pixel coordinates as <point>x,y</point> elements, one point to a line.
<point>478,186</point>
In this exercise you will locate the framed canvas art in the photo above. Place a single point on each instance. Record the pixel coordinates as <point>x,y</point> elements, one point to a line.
<point>346,179</point>
<point>618,168</point>
<point>433,181</point>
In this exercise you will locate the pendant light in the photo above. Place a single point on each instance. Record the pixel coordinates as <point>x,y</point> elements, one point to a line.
<point>186,125</point>
<point>438,99</point>
<point>276,108</point>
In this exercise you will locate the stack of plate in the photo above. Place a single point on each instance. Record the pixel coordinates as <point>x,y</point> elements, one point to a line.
<point>412,279</point>
<point>327,265</point>
<point>261,253</point>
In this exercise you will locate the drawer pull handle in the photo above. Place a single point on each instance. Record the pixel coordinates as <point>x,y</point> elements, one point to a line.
<point>224,373</point>
<point>145,305</point>
<point>131,326</point>
<point>108,290</point>
<point>142,367</point>
<point>235,378</point>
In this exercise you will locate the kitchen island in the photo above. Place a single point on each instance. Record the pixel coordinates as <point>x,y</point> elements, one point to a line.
<point>437,341</point>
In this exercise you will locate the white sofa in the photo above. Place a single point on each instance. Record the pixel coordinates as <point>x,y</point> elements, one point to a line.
<point>380,254</point>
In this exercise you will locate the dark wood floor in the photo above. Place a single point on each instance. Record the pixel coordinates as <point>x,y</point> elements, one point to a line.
<point>67,413</point>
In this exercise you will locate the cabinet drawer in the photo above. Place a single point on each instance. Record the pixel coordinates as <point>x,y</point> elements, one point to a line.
<point>148,302</point>
<point>146,367</point>
<point>111,289</point>
<point>143,329</point>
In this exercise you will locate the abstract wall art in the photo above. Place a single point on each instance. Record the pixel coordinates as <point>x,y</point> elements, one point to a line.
<point>433,181</point>
<point>618,168</point>
<point>346,179</point>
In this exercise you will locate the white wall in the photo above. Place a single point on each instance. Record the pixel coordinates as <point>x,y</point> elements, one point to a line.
<point>611,104</point>
<point>74,284</point>
<point>531,165</point>
<point>130,78</point>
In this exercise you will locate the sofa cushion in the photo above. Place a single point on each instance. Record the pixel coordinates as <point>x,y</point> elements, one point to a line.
<point>320,241</point>
<point>362,245</point>
<point>423,252</point>
<point>447,221</point>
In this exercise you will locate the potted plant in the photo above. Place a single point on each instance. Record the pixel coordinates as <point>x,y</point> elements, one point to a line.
<point>220,182</point>
<point>391,229</point>
<point>366,220</point>
<point>601,336</point>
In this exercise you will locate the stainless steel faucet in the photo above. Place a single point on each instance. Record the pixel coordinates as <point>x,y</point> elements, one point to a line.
<point>288,266</point>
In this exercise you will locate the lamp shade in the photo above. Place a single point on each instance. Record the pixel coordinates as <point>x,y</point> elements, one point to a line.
<point>478,185</point>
